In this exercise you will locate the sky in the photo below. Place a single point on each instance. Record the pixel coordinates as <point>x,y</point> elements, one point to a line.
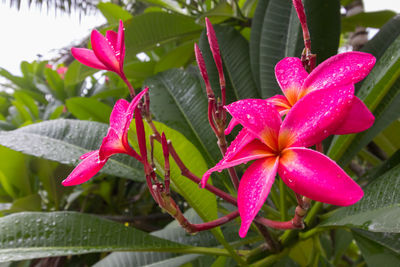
<point>29,31</point>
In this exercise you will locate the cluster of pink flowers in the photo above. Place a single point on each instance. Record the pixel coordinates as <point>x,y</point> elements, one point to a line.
<point>314,106</point>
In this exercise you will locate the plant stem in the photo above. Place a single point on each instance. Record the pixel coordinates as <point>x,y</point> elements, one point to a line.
<point>282,200</point>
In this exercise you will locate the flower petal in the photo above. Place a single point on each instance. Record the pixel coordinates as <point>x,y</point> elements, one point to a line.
<point>119,116</point>
<point>281,104</point>
<point>112,38</point>
<point>129,113</point>
<point>104,51</point>
<point>315,117</point>
<point>240,151</point>
<point>85,170</point>
<point>121,45</point>
<point>112,144</point>
<point>260,117</point>
<point>232,124</point>
<point>340,70</point>
<point>358,119</point>
<point>290,75</point>
<point>254,188</point>
<point>88,58</point>
<point>316,176</point>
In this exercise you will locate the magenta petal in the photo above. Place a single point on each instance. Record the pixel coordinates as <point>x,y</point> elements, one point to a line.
<point>254,188</point>
<point>112,144</point>
<point>232,124</point>
<point>316,116</point>
<point>290,75</point>
<point>340,70</point>
<point>88,58</point>
<point>240,151</point>
<point>120,47</point>
<point>112,38</point>
<point>358,119</point>
<point>85,170</point>
<point>104,51</point>
<point>281,104</point>
<point>312,174</point>
<point>119,116</point>
<point>129,112</point>
<point>259,117</point>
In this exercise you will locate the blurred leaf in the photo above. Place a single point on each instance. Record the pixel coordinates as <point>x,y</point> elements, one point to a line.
<point>28,203</point>
<point>32,235</point>
<point>85,108</point>
<point>178,101</point>
<point>221,12</point>
<point>323,19</point>
<point>139,70</point>
<point>366,19</point>
<point>175,58</point>
<point>342,239</point>
<point>255,38</point>
<point>280,37</point>
<point>377,211</point>
<point>167,4</point>
<point>384,38</point>
<point>56,84</point>
<point>28,102</point>
<point>65,141</point>
<point>375,254</point>
<point>380,93</point>
<point>14,176</point>
<point>76,73</point>
<point>113,13</point>
<point>51,184</point>
<point>147,31</point>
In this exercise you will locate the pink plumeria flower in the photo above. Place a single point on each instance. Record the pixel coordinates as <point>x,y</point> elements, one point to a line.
<point>337,71</point>
<point>108,52</point>
<point>115,142</point>
<point>280,147</point>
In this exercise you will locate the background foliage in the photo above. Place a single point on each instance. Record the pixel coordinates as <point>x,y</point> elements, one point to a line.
<point>47,121</point>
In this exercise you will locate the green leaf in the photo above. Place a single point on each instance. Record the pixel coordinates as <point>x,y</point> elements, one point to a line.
<point>14,176</point>
<point>280,37</point>
<point>65,141</point>
<point>384,38</point>
<point>388,240</point>
<point>323,19</point>
<point>377,211</point>
<point>27,203</point>
<point>168,4</point>
<point>32,235</point>
<point>28,102</point>
<point>76,73</point>
<point>380,93</point>
<point>175,58</point>
<point>235,55</point>
<point>366,19</point>
<point>375,254</point>
<point>113,13</point>
<point>221,12</point>
<point>85,108</point>
<point>147,31</point>
<point>56,84</point>
<point>178,101</point>
<point>255,38</point>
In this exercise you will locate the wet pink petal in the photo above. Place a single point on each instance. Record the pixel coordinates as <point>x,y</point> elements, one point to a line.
<point>232,124</point>
<point>254,188</point>
<point>104,51</point>
<point>85,170</point>
<point>120,46</point>
<point>316,176</point>
<point>315,117</point>
<point>358,119</point>
<point>281,104</point>
<point>259,116</point>
<point>88,154</point>
<point>112,38</point>
<point>290,75</point>
<point>119,116</point>
<point>251,151</point>
<point>88,58</point>
<point>340,70</point>
<point>112,144</point>
<point>130,110</point>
